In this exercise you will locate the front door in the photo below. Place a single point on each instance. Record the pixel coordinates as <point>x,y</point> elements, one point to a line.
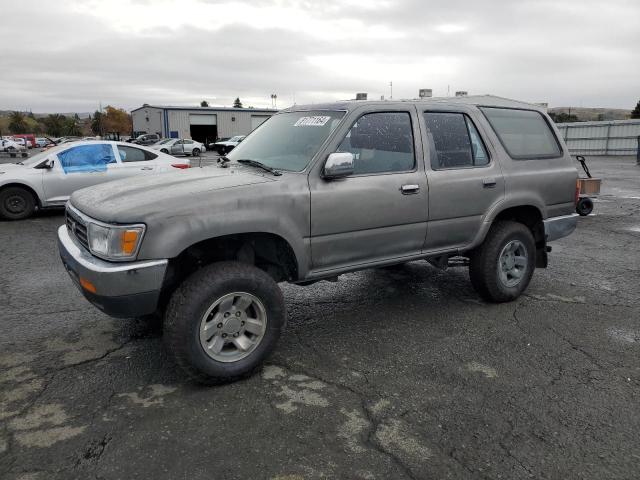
<point>77,167</point>
<point>177,148</point>
<point>379,212</point>
<point>464,182</point>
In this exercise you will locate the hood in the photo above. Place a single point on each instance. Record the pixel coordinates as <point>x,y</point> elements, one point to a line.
<point>10,168</point>
<point>139,198</point>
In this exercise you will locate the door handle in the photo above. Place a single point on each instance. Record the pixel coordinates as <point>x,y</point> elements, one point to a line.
<point>409,189</point>
<point>489,182</point>
<point>146,168</point>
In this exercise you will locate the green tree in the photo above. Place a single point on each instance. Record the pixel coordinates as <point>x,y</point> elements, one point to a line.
<point>55,124</point>
<point>72,127</point>
<point>204,103</point>
<point>97,123</point>
<point>563,117</point>
<point>237,103</point>
<point>635,113</point>
<point>17,122</point>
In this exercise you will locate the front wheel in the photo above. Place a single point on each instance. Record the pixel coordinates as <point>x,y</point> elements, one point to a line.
<point>223,322</point>
<point>501,268</point>
<point>16,203</point>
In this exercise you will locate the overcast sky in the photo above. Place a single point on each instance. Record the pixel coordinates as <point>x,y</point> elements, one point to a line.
<point>67,55</point>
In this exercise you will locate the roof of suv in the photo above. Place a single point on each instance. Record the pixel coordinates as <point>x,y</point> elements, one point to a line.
<point>484,100</point>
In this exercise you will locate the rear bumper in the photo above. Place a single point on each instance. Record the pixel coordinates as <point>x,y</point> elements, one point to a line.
<point>121,289</point>
<point>558,227</point>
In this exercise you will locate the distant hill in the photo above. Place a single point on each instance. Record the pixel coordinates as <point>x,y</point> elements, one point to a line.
<point>589,114</point>
<point>82,115</point>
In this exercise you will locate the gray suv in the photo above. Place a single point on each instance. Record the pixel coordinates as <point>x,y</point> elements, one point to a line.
<point>315,192</point>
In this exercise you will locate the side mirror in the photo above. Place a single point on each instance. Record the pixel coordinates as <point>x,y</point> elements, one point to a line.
<point>338,165</point>
<point>47,164</point>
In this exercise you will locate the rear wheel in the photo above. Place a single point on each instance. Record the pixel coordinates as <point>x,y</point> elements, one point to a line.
<point>196,152</point>
<point>501,268</point>
<point>223,322</point>
<point>16,203</point>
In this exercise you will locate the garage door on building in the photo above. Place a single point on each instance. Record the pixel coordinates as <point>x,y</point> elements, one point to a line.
<point>203,127</point>
<point>257,120</point>
<point>200,119</point>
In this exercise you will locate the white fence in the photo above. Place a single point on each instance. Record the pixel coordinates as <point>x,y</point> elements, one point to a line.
<point>615,137</point>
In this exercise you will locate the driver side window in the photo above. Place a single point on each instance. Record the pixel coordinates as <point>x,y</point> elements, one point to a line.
<point>380,143</point>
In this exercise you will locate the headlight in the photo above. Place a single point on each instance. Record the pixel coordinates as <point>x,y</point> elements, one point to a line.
<point>115,242</point>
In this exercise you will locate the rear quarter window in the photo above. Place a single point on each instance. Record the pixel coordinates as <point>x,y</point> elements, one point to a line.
<point>525,134</point>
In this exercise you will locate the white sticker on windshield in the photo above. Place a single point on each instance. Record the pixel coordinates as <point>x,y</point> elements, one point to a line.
<point>316,121</point>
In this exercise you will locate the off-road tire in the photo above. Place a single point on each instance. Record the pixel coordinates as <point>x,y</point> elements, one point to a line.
<point>189,303</point>
<point>484,262</point>
<point>24,208</point>
<point>584,206</point>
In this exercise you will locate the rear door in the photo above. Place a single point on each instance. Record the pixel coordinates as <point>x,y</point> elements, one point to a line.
<point>78,167</point>
<point>465,178</point>
<point>134,161</point>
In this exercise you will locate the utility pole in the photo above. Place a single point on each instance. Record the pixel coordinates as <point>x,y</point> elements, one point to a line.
<point>391,87</point>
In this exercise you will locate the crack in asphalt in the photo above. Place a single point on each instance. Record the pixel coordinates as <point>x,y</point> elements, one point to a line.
<point>369,438</point>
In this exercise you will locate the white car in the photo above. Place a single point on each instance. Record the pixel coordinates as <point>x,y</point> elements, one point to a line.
<point>179,146</point>
<point>7,145</point>
<point>41,142</point>
<point>23,142</point>
<point>225,146</point>
<point>50,177</point>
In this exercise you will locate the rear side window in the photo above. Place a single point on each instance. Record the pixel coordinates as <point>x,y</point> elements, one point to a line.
<point>454,141</point>
<point>525,134</point>
<point>380,143</point>
<point>132,154</point>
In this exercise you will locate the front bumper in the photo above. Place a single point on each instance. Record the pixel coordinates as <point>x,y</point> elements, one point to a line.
<point>121,289</point>
<point>558,227</point>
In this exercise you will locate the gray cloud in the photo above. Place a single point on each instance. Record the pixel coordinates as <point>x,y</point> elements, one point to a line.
<point>564,52</point>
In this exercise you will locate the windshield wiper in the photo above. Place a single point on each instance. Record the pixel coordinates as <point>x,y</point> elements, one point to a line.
<point>223,160</point>
<point>255,163</point>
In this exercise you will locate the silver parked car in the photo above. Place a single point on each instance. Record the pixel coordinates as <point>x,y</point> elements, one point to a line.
<point>179,146</point>
<point>49,178</point>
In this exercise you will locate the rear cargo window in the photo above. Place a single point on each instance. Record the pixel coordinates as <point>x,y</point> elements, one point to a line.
<point>525,134</point>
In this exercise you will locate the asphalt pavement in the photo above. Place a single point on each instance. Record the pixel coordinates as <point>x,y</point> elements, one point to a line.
<point>386,374</point>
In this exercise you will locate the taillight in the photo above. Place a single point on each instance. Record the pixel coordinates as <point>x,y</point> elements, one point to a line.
<point>577,199</point>
<point>180,165</point>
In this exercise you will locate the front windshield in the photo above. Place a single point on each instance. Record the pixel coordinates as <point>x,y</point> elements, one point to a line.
<point>237,138</point>
<point>288,141</point>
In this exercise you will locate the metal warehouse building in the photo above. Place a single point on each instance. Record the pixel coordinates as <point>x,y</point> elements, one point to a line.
<point>204,124</point>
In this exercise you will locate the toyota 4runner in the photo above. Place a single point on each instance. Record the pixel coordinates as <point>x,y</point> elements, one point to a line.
<point>315,192</point>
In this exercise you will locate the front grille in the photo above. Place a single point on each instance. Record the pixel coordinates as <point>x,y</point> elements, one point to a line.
<point>77,228</point>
